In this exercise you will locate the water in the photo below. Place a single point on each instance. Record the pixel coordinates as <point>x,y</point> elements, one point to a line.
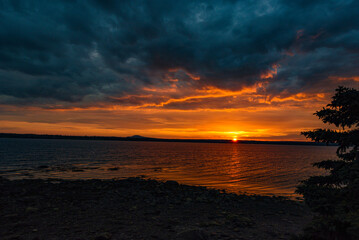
<point>251,168</point>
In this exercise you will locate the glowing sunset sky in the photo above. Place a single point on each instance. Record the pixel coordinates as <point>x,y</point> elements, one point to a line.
<point>174,69</point>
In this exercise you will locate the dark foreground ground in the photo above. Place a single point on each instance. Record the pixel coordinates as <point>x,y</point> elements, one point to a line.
<point>140,209</point>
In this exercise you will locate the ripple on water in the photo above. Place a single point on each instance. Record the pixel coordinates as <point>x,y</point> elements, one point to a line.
<point>252,168</point>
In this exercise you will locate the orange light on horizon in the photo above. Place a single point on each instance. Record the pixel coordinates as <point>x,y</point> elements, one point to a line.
<point>234,139</point>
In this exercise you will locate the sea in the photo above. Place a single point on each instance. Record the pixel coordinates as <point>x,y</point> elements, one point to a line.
<point>264,169</point>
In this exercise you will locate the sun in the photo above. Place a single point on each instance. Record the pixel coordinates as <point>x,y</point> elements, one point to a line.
<point>234,139</point>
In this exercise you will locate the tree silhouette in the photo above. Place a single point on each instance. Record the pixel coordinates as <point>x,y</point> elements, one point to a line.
<point>334,197</point>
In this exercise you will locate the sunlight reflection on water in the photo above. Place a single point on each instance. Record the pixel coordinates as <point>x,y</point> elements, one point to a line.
<point>252,168</point>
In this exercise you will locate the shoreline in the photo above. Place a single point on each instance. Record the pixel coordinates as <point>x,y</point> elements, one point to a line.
<point>74,172</point>
<point>136,208</point>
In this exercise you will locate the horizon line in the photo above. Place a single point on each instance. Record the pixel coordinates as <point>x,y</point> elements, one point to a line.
<point>142,138</point>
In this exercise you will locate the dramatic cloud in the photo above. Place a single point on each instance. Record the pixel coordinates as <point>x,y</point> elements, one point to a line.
<point>175,55</point>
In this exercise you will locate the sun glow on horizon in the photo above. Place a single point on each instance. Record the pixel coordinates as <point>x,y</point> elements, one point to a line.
<point>234,139</point>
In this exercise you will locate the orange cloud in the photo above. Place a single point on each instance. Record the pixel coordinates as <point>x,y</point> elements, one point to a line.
<point>192,76</point>
<point>300,97</point>
<point>261,124</point>
<point>352,78</point>
<point>270,73</point>
<point>170,111</point>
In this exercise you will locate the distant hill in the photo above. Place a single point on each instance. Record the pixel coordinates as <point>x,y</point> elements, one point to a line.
<point>137,136</point>
<point>141,138</point>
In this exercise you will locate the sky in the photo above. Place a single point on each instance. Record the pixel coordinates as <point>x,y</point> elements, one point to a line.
<point>174,69</point>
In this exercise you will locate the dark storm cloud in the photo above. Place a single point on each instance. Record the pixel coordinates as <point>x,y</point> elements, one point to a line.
<point>87,51</point>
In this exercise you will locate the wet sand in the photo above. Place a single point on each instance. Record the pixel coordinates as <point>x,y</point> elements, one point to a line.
<point>136,208</point>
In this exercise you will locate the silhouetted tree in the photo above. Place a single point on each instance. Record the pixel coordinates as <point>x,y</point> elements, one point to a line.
<point>334,197</point>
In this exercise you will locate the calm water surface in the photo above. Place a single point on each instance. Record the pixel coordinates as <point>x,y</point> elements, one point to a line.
<point>251,168</point>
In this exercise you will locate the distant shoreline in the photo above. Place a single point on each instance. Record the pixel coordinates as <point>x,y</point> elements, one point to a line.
<point>147,139</point>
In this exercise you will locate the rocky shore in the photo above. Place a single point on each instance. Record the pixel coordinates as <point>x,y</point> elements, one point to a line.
<point>136,208</point>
